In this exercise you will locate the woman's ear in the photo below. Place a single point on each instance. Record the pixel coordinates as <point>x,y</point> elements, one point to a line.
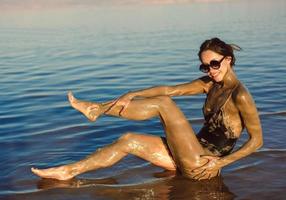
<point>228,59</point>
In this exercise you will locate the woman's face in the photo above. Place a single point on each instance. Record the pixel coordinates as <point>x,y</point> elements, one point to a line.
<point>216,74</point>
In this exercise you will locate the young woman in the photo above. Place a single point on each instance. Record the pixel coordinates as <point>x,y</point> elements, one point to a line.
<point>228,108</point>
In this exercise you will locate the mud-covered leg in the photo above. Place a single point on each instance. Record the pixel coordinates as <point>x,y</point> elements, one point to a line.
<point>148,147</point>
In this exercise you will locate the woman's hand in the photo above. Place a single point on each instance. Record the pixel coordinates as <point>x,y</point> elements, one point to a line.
<point>210,169</point>
<point>123,101</point>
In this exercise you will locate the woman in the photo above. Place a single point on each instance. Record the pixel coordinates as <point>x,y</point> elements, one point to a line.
<point>228,109</point>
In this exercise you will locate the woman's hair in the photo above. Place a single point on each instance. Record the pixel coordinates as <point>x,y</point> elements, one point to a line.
<point>220,47</point>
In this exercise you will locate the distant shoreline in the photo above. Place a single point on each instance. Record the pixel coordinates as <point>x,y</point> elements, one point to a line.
<point>26,5</point>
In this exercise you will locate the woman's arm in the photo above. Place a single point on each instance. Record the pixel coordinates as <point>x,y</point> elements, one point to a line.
<point>249,115</point>
<point>197,86</point>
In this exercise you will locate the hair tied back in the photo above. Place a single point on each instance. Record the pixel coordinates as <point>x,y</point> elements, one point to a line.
<point>235,47</point>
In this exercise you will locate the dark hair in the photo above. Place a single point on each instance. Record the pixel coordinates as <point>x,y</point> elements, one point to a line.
<point>220,47</point>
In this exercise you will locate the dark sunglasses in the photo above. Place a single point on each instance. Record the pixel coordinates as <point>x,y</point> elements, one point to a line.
<point>213,64</point>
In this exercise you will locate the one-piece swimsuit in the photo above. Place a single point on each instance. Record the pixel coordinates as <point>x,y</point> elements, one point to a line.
<point>215,134</point>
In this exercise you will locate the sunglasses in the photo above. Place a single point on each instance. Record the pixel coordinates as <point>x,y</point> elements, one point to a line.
<point>215,64</point>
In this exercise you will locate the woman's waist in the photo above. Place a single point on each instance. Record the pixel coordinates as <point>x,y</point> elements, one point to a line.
<point>218,136</point>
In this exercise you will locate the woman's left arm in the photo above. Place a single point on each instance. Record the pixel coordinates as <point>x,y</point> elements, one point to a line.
<point>249,115</point>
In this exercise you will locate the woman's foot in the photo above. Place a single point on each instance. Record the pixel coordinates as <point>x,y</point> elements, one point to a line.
<point>59,173</point>
<point>89,109</point>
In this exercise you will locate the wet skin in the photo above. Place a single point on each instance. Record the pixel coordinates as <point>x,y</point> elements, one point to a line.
<point>182,150</point>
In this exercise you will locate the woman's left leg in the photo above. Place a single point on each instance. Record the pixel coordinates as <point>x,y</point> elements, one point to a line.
<point>148,147</point>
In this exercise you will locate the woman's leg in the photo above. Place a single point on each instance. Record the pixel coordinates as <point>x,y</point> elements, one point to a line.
<point>148,147</point>
<point>182,141</point>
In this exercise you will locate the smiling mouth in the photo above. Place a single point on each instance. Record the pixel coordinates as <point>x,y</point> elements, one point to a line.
<point>214,75</point>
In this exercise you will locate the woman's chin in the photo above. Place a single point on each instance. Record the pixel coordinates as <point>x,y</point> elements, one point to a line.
<point>217,78</point>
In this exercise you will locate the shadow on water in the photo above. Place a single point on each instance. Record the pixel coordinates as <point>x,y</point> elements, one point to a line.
<point>166,186</point>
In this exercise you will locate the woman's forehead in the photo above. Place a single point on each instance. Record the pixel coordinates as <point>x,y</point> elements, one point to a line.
<point>208,55</point>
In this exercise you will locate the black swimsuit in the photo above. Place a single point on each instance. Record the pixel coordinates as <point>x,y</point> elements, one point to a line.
<point>215,135</point>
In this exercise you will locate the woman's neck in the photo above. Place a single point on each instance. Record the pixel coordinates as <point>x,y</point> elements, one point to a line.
<point>230,79</point>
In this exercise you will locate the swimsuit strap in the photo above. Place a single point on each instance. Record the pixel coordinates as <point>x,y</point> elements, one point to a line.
<point>223,99</point>
<point>229,95</point>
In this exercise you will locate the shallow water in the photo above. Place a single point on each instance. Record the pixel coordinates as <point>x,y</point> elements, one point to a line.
<point>101,53</point>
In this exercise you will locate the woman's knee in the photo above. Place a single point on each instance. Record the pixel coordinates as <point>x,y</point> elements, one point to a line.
<point>165,101</point>
<point>126,137</point>
<point>127,140</point>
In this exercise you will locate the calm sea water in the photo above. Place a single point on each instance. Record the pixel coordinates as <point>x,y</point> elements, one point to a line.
<point>101,53</point>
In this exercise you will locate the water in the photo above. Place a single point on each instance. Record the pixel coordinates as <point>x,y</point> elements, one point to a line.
<point>102,52</point>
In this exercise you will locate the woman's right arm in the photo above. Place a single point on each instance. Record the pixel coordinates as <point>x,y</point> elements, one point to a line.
<point>197,86</point>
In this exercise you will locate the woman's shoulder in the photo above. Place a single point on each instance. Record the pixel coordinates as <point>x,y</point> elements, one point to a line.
<point>207,82</point>
<point>240,89</point>
<point>206,79</point>
<point>241,95</point>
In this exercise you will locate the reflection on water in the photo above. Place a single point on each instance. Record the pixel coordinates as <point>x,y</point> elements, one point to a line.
<point>101,53</point>
<point>172,187</point>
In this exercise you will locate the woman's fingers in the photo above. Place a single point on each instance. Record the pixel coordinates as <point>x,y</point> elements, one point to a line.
<point>112,105</point>
<point>199,174</point>
<point>124,107</point>
<point>204,176</point>
<point>199,170</point>
<point>202,167</point>
<point>208,169</point>
<point>118,102</point>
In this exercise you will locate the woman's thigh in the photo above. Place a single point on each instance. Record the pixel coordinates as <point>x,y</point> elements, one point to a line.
<point>150,148</point>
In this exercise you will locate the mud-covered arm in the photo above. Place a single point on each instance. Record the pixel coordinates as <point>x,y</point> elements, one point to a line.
<point>197,86</point>
<point>249,115</point>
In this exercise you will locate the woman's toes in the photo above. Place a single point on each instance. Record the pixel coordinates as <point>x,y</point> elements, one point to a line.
<point>70,96</point>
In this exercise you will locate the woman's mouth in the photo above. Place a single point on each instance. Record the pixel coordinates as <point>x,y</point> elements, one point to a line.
<point>214,75</point>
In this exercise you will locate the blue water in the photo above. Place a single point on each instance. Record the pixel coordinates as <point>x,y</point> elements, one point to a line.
<point>102,52</point>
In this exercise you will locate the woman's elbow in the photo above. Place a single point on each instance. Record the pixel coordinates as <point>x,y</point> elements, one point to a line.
<point>258,143</point>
